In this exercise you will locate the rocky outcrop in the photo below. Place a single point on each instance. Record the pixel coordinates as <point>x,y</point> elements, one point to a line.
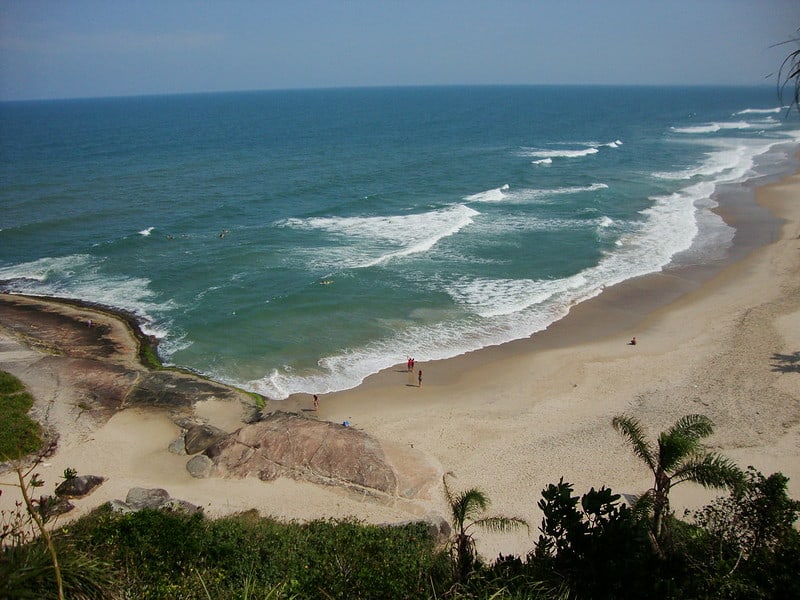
<point>289,445</point>
<point>97,353</point>
<point>153,498</point>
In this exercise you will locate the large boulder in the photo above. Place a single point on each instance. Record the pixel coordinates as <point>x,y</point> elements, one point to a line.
<point>139,498</point>
<point>200,466</point>
<point>291,445</point>
<point>200,437</point>
<point>178,446</point>
<point>153,498</point>
<point>78,486</point>
<point>52,506</point>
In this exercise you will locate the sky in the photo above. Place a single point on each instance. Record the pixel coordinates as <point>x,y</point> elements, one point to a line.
<point>82,48</point>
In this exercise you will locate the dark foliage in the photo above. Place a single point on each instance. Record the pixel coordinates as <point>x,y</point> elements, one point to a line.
<point>595,543</point>
<point>745,545</point>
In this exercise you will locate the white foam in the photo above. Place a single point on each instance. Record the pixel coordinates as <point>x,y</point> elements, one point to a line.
<point>732,160</point>
<point>562,153</point>
<point>543,161</point>
<point>525,195</point>
<point>713,127</point>
<point>578,189</point>
<point>42,269</point>
<point>146,232</point>
<point>493,195</point>
<point>496,297</point>
<point>605,222</point>
<point>589,148</point>
<point>759,111</point>
<point>370,241</point>
<point>81,277</point>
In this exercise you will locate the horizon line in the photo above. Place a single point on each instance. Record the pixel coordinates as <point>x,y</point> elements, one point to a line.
<point>381,87</point>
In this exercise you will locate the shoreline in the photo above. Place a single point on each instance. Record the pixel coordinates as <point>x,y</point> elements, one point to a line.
<point>628,302</point>
<point>511,419</point>
<point>540,408</point>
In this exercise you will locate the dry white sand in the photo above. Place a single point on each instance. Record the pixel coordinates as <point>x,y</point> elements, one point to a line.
<point>511,419</point>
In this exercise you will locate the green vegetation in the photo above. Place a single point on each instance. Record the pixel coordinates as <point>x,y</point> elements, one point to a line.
<point>591,546</point>
<point>148,356</point>
<point>19,434</point>
<point>155,554</point>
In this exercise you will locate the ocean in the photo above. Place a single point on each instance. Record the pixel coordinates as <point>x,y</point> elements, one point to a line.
<point>299,241</point>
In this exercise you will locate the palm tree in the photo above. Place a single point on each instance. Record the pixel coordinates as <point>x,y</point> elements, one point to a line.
<point>679,456</point>
<point>789,73</point>
<point>466,508</point>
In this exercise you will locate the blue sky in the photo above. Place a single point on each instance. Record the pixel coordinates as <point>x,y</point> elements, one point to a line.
<point>81,48</point>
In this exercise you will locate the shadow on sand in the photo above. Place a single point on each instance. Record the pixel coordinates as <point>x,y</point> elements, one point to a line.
<point>786,363</point>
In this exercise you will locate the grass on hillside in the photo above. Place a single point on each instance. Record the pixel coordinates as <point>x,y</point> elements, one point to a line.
<point>19,434</point>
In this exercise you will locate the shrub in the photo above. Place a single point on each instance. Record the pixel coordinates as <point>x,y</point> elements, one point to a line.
<point>170,555</point>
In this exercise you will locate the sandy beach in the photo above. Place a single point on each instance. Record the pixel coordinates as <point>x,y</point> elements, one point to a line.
<point>513,418</point>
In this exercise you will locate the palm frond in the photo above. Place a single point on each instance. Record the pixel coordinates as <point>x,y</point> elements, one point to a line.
<point>469,504</point>
<point>682,440</point>
<point>631,429</point>
<point>789,75</point>
<point>692,427</point>
<point>675,448</point>
<point>710,470</point>
<point>642,506</point>
<point>447,493</point>
<point>501,524</point>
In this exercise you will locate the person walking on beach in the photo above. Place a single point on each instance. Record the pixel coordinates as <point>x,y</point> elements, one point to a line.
<point>410,364</point>
<point>419,378</point>
<point>316,403</point>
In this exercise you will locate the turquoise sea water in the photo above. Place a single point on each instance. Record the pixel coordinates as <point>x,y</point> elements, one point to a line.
<point>299,241</point>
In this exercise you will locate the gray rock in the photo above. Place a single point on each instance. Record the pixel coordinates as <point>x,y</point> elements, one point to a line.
<point>139,498</point>
<point>439,528</point>
<point>155,498</point>
<point>118,506</point>
<point>78,486</point>
<point>52,506</point>
<point>200,466</point>
<point>178,446</point>
<point>200,437</point>
<point>176,505</point>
